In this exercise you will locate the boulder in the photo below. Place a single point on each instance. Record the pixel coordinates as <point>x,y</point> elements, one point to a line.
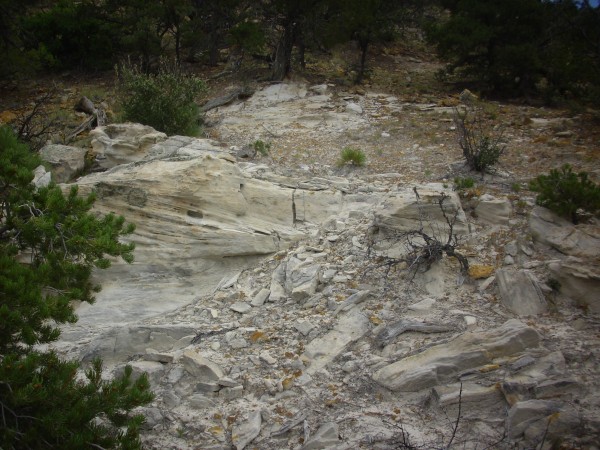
<point>354,108</point>
<point>538,420</point>
<point>573,240</point>
<point>495,211</point>
<point>520,292</point>
<point>579,280</point>
<point>443,363</point>
<point>122,143</point>
<point>201,368</point>
<point>66,162</point>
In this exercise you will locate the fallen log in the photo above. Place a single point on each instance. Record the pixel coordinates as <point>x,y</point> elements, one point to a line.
<point>238,94</point>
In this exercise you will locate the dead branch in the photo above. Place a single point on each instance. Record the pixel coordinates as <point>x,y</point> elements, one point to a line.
<point>422,248</point>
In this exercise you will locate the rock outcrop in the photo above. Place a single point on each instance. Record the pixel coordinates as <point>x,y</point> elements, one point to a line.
<point>262,309</point>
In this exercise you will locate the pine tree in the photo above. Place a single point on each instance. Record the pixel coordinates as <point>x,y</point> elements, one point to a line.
<point>49,244</point>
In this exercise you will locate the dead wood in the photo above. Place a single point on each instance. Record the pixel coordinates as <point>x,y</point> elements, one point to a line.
<point>238,94</point>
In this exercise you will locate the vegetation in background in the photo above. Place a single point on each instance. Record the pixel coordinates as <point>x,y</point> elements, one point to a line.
<point>512,47</point>
<point>353,156</point>
<point>165,100</point>
<point>566,192</point>
<point>522,47</point>
<point>49,244</point>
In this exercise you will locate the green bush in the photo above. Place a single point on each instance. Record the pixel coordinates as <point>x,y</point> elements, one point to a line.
<point>49,245</point>
<point>353,156</point>
<point>463,183</point>
<point>262,147</point>
<point>566,192</point>
<point>165,100</point>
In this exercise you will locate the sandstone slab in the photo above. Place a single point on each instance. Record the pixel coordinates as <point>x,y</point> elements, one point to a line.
<point>579,280</point>
<point>442,363</point>
<point>520,292</point>
<point>322,350</point>
<point>573,240</point>
<point>122,143</point>
<point>495,211</point>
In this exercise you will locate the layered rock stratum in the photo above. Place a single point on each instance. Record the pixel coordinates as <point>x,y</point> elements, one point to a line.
<point>262,308</point>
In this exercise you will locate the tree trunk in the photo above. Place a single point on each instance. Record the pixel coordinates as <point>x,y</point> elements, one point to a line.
<point>283,55</point>
<point>364,46</point>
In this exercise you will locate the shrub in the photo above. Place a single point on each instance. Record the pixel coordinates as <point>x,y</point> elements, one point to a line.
<point>353,156</point>
<point>481,148</point>
<point>566,192</point>
<point>165,100</point>
<point>49,244</point>
<point>463,183</point>
<point>261,147</point>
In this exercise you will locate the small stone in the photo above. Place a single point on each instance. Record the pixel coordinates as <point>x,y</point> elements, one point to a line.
<point>350,366</point>
<point>207,386</point>
<point>511,249</point>
<point>423,305</point>
<point>260,298</point>
<point>153,355</point>
<point>171,400</point>
<point>527,250</point>
<point>508,260</point>
<point>239,343</point>
<point>354,108</point>
<point>199,401</point>
<point>470,321</point>
<point>241,307</point>
<point>328,275</point>
<point>303,327</point>
<point>201,367</point>
<point>245,432</point>
<point>486,284</point>
<point>228,382</point>
<point>232,392</point>
<point>266,357</point>
<point>326,436</point>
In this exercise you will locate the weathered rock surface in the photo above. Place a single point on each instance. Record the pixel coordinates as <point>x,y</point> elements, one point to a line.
<point>123,143</point>
<point>297,366</point>
<point>573,240</point>
<point>495,211</point>
<point>65,161</point>
<point>579,280</point>
<point>520,292</point>
<point>443,363</point>
<point>243,433</point>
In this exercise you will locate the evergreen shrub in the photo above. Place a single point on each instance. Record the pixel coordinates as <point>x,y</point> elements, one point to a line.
<point>352,156</point>
<point>164,100</point>
<point>49,244</point>
<point>566,192</point>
